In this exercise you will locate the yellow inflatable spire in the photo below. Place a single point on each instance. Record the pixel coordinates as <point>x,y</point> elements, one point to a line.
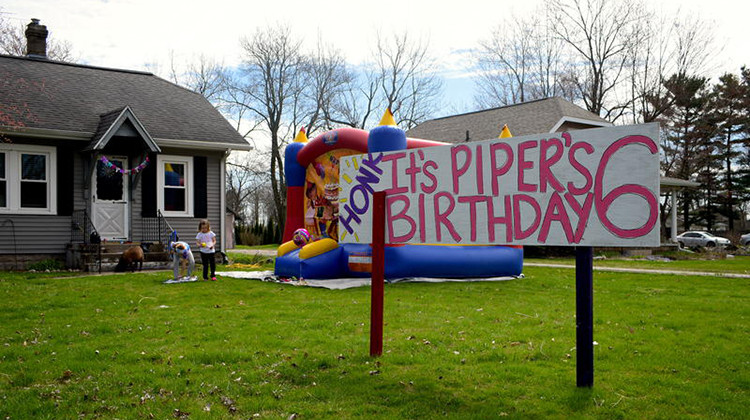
<point>388,118</point>
<point>505,133</point>
<point>301,136</point>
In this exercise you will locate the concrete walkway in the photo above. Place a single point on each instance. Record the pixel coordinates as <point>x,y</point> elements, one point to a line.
<point>644,270</point>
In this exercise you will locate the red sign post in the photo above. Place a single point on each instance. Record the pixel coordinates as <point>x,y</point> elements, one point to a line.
<point>378,274</point>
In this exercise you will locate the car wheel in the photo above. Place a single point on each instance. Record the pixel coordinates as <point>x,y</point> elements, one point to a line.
<point>710,245</point>
<point>680,244</point>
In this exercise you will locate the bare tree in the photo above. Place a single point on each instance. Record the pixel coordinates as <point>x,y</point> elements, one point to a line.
<point>268,83</point>
<point>521,61</point>
<point>13,42</point>
<point>247,182</point>
<point>359,100</point>
<point>677,46</point>
<point>601,34</point>
<point>203,75</point>
<point>401,76</point>
<point>327,78</point>
<point>407,78</point>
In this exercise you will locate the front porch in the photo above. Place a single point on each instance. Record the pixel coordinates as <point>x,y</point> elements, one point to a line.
<point>87,250</point>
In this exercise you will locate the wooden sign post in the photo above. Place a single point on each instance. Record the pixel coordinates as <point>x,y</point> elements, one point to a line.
<point>378,274</point>
<point>584,316</point>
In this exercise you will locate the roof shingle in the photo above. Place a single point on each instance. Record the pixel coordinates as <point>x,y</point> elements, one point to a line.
<point>72,97</point>
<point>532,117</point>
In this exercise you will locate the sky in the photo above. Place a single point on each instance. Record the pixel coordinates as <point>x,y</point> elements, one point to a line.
<point>144,34</point>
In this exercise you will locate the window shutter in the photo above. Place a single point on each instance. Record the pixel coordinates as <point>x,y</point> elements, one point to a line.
<point>200,183</point>
<point>148,188</point>
<point>65,176</point>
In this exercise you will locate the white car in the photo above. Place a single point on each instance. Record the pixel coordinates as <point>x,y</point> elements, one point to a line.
<point>745,239</point>
<point>697,238</point>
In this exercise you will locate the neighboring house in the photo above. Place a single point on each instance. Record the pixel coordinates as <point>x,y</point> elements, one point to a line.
<point>67,129</point>
<point>548,115</point>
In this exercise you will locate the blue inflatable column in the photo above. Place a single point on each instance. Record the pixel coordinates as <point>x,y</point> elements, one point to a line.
<point>295,181</point>
<point>387,136</point>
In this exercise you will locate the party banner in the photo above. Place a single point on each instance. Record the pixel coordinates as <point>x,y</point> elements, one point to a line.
<point>596,187</point>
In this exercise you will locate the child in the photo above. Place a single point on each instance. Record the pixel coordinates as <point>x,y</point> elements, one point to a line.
<point>181,251</point>
<point>207,242</point>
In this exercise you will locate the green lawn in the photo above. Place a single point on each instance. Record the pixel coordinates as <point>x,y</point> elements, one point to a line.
<point>247,262</point>
<point>127,346</point>
<point>273,247</point>
<point>738,264</point>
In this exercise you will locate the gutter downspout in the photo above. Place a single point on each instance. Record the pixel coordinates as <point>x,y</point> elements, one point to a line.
<point>673,232</point>
<point>223,200</point>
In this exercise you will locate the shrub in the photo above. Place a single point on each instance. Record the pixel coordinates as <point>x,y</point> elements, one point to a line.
<point>50,264</point>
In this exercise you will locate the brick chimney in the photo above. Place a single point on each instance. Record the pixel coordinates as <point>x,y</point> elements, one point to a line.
<point>36,40</point>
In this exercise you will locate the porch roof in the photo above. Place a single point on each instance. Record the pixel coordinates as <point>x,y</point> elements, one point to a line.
<point>110,125</point>
<point>669,183</point>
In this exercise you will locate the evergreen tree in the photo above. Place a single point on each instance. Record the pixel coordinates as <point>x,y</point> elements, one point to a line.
<point>729,115</point>
<point>686,152</point>
<point>742,178</point>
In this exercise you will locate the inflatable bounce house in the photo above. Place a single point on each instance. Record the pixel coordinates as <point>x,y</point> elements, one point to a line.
<point>311,249</point>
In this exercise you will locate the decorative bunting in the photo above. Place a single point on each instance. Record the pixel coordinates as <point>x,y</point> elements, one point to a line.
<point>117,169</point>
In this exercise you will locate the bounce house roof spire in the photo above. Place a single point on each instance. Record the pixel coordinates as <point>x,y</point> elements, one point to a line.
<point>301,136</point>
<point>505,133</point>
<point>388,118</point>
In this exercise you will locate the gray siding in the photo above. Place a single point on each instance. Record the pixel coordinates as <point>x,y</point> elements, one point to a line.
<point>80,191</point>
<point>34,234</point>
<point>43,234</point>
<point>187,227</point>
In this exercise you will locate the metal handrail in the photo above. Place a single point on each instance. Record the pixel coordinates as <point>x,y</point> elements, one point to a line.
<point>157,229</point>
<point>83,231</point>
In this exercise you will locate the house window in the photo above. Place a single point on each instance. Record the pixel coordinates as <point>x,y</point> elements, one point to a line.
<point>33,181</point>
<point>26,184</point>
<point>175,192</point>
<point>108,182</point>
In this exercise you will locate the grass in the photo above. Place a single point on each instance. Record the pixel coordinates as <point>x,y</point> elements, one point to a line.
<point>248,262</point>
<point>127,346</point>
<point>738,264</point>
<point>267,246</point>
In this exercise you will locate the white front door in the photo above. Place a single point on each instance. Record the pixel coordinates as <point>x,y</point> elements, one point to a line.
<point>110,204</point>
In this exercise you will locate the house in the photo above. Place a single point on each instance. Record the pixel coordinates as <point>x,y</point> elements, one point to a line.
<point>547,115</point>
<point>89,152</point>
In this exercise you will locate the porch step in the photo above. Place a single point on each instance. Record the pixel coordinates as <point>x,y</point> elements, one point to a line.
<point>110,266</point>
<point>118,247</point>
<point>115,256</point>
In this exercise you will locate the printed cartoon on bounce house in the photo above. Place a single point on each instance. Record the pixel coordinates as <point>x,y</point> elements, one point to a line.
<point>464,210</point>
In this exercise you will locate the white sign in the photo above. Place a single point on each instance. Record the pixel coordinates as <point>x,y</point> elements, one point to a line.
<point>596,187</point>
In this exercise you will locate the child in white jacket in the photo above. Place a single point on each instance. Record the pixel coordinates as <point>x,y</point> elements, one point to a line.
<point>181,251</point>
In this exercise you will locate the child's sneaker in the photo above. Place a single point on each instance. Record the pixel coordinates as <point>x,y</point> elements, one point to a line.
<point>213,278</point>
